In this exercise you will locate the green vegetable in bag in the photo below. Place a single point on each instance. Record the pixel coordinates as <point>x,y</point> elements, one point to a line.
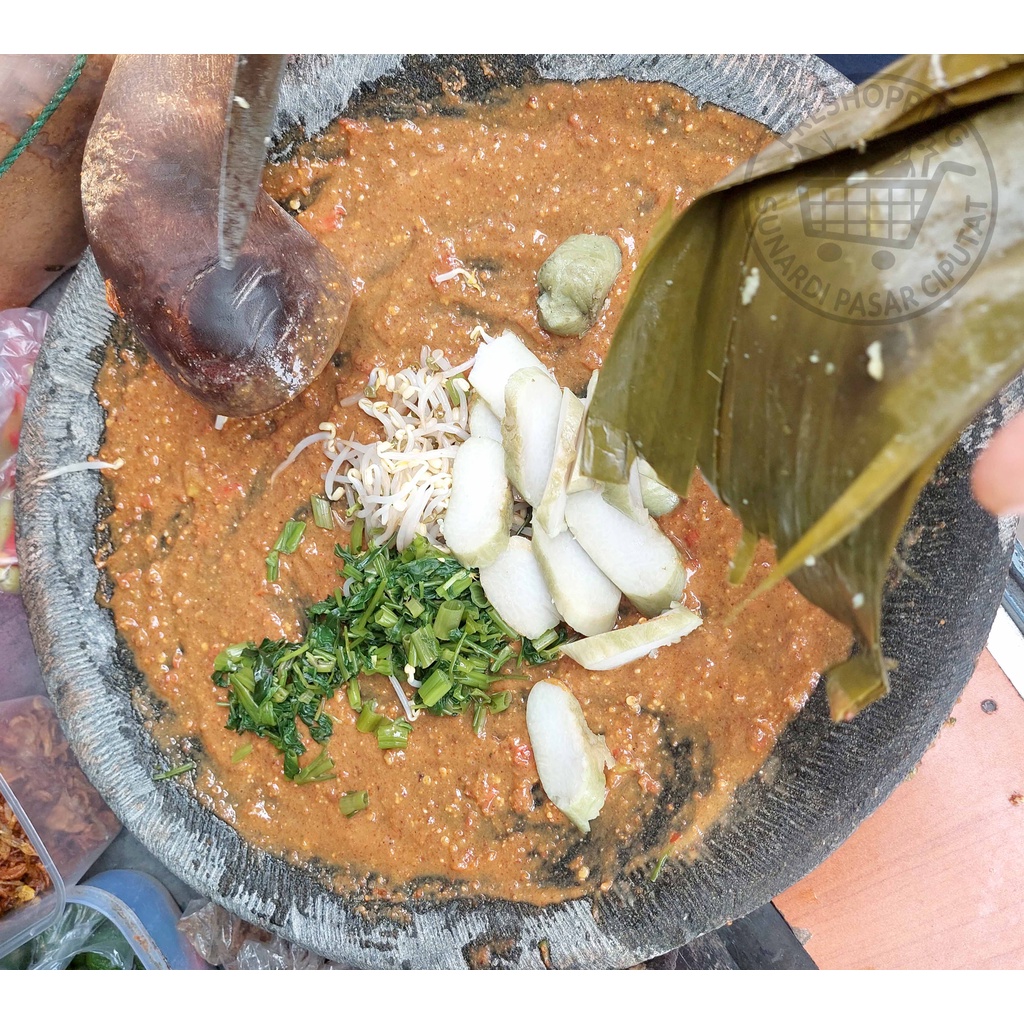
<point>83,939</point>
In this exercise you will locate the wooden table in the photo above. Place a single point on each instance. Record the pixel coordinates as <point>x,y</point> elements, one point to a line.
<point>935,877</point>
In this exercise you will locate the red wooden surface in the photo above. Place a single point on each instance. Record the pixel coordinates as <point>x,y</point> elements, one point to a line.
<point>935,878</point>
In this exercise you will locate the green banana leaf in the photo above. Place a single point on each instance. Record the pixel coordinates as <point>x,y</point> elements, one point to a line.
<point>820,328</point>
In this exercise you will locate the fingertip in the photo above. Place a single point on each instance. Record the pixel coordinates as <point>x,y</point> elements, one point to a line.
<point>998,476</point>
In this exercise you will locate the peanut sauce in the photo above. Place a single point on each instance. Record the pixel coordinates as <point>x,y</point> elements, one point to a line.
<point>492,186</point>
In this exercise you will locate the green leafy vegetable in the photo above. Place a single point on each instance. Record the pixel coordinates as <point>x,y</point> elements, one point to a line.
<point>820,431</point>
<point>273,685</point>
<point>448,617</point>
<point>322,515</point>
<point>394,735</point>
<point>286,544</point>
<point>369,720</point>
<point>318,770</point>
<point>355,538</point>
<point>436,685</point>
<point>173,772</point>
<point>421,647</point>
<point>660,863</point>
<point>273,561</point>
<point>352,803</point>
<point>90,961</point>
<point>416,608</point>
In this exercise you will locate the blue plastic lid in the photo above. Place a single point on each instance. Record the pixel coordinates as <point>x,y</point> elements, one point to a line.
<point>145,913</point>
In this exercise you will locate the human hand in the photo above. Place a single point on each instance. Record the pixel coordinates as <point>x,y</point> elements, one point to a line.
<point>998,479</point>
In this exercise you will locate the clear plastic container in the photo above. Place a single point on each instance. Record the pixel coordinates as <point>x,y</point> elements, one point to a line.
<point>146,915</point>
<point>28,920</point>
<point>62,815</point>
<point>121,915</point>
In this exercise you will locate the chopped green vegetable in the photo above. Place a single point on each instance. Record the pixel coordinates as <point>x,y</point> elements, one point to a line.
<point>448,617</point>
<point>401,608</point>
<point>322,515</point>
<point>434,687</point>
<point>273,561</point>
<point>355,696</point>
<point>355,537</point>
<point>394,735</point>
<point>421,647</point>
<point>318,770</point>
<point>386,618</point>
<point>479,717</point>
<point>353,803</point>
<point>658,866</point>
<point>241,753</point>
<point>547,647</point>
<point>287,542</point>
<point>288,539</point>
<point>172,772</point>
<point>368,719</point>
<point>548,640</point>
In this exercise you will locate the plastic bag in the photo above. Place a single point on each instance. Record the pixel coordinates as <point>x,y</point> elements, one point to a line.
<point>226,941</point>
<point>82,939</point>
<point>41,226</point>
<point>21,334</point>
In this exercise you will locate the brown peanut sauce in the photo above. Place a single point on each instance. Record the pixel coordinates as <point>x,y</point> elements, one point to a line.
<point>496,186</point>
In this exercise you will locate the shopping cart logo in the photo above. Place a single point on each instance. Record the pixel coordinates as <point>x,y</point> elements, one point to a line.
<point>884,212</point>
<point>925,215</point>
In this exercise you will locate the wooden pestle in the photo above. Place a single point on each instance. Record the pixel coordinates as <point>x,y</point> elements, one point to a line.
<point>242,340</point>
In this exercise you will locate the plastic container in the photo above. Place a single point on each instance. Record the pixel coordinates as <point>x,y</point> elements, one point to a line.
<point>63,816</point>
<point>28,920</point>
<point>123,916</point>
<point>146,915</point>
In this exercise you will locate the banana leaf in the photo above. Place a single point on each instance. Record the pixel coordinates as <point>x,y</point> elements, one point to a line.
<point>815,333</point>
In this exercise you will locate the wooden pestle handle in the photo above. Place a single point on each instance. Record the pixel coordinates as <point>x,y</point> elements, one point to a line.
<point>242,340</point>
